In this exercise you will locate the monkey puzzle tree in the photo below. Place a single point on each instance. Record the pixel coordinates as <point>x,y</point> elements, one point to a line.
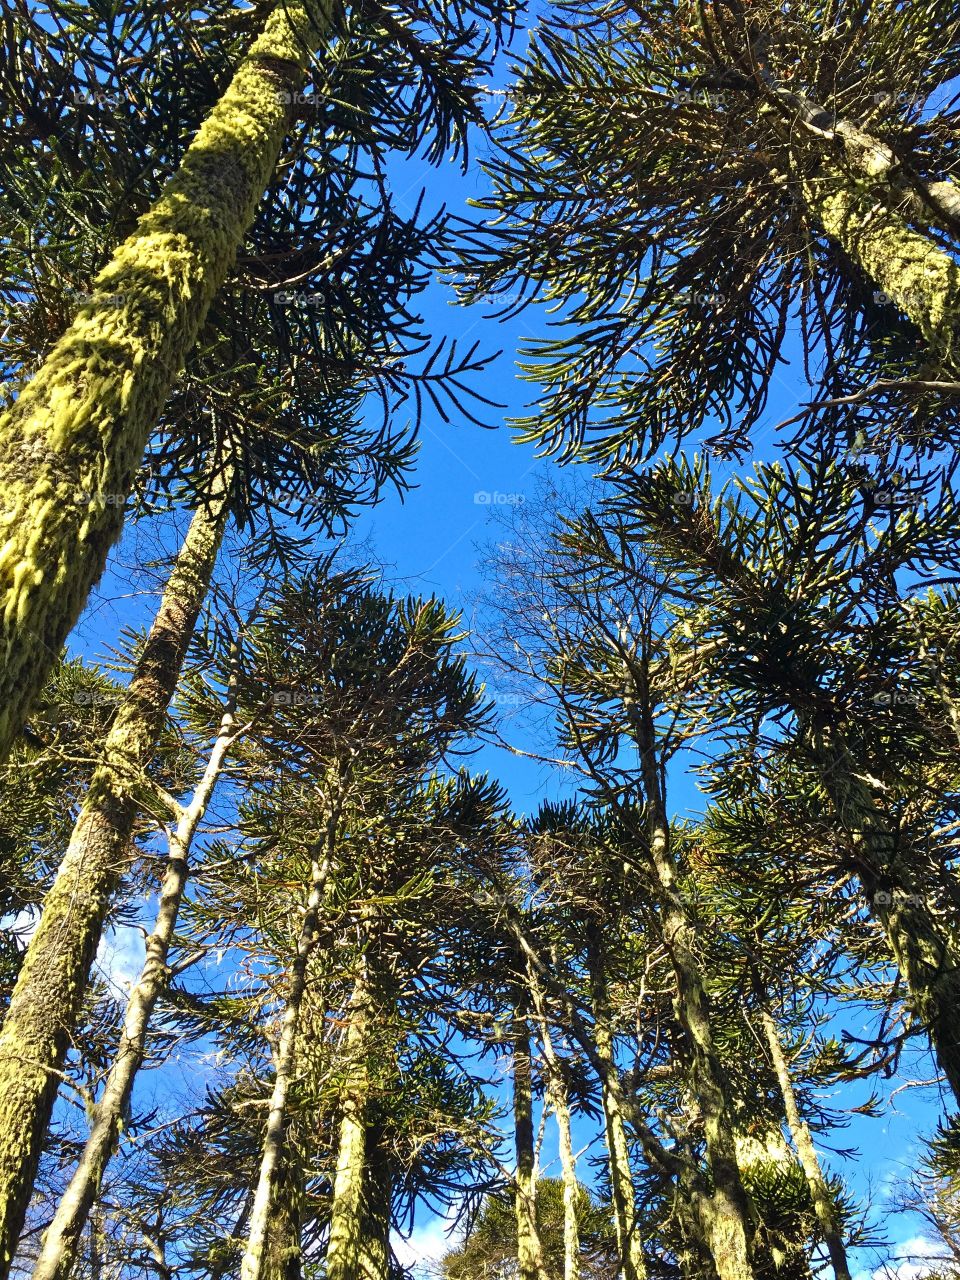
<point>78,429</point>
<point>813,649</point>
<point>692,186</point>
<point>266,416</point>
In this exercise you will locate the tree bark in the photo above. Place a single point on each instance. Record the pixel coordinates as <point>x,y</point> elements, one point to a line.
<point>52,981</point>
<point>561,1109</point>
<point>530,1260</point>
<point>70,445</point>
<point>377,1193</point>
<point>823,1202</point>
<point>906,265</point>
<point>348,1244</point>
<point>282,1253</point>
<point>726,1212</point>
<point>251,1268</point>
<point>62,1238</point>
<point>622,1194</point>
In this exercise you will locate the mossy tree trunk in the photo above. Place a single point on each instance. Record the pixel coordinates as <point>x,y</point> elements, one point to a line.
<point>71,444</point>
<point>283,1256</point>
<point>823,1201</point>
<point>53,979</point>
<point>530,1260</point>
<point>726,1212</point>
<point>271,1161</point>
<point>908,266</point>
<point>622,1193</point>
<point>360,1216</point>
<point>374,1254</point>
<point>62,1238</point>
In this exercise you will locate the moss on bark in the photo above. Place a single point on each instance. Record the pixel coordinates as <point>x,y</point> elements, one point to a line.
<point>53,979</point>
<point>70,446</point>
<point>909,267</point>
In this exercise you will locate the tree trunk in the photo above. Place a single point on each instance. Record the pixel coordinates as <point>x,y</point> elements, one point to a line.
<point>622,1194</point>
<point>561,1109</point>
<point>53,979</point>
<point>726,1213</point>
<point>377,1194</point>
<point>823,1202</point>
<point>251,1268</point>
<point>922,947</point>
<point>282,1252</point>
<point>70,445</point>
<point>909,267</point>
<point>568,1172</point>
<point>62,1238</point>
<point>348,1246</point>
<point>530,1260</point>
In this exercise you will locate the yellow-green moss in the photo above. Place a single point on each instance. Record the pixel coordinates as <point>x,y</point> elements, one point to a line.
<point>910,268</point>
<point>70,446</point>
<point>52,981</point>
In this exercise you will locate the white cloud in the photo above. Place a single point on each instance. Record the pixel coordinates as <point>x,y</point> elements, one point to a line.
<point>911,1259</point>
<point>120,958</point>
<point>427,1244</point>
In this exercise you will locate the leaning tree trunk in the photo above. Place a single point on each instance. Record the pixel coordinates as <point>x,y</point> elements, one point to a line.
<point>530,1260</point>
<point>252,1266</point>
<point>62,1238</point>
<point>908,266</point>
<point>622,1195</point>
<point>71,444</point>
<point>823,1202</point>
<point>725,1213</point>
<point>921,944</point>
<point>51,985</point>
<point>350,1251</point>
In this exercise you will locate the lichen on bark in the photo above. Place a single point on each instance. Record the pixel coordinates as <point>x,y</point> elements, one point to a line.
<point>72,441</point>
<point>907,266</point>
<point>52,981</point>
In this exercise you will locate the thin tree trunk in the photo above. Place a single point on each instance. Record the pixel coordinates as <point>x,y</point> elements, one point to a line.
<point>726,1213</point>
<point>62,1238</point>
<point>819,1191</point>
<point>345,1248</point>
<point>622,1194</point>
<point>70,446</point>
<point>251,1268</point>
<point>377,1192</point>
<point>53,979</point>
<point>530,1260</point>
<point>561,1110</point>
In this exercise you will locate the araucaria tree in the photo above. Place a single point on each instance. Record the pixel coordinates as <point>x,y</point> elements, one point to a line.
<point>347,933</point>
